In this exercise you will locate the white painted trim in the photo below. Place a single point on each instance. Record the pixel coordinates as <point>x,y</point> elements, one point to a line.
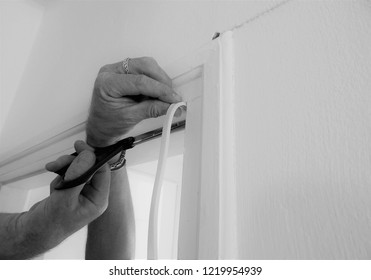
<point>208,212</point>
<point>210,157</point>
<point>46,143</point>
<point>188,239</point>
<point>198,230</point>
<point>228,239</point>
<point>29,158</point>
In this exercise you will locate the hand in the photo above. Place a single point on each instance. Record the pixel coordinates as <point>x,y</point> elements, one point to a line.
<point>120,100</point>
<point>80,205</point>
<point>66,211</point>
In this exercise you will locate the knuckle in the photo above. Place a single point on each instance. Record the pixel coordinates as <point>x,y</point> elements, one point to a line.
<point>104,68</point>
<point>140,80</point>
<point>147,62</point>
<point>153,111</point>
<point>101,80</point>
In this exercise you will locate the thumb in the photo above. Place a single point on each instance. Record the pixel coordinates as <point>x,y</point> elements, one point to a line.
<point>80,165</point>
<point>97,190</point>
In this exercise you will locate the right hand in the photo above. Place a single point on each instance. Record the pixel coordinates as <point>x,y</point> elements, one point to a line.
<point>78,206</point>
<point>121,100</point>
<point>65,211</point>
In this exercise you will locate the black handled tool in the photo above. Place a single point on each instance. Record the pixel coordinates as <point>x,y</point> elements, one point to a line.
<point>103,155</point>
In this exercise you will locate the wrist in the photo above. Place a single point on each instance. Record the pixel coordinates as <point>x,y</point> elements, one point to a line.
<point>39,229</point>
<point>28,236</point>
<point>97,139</point>
<point>114,159</point>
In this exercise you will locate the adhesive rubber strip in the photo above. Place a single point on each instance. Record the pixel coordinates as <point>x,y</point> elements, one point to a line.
<point>152,249</point>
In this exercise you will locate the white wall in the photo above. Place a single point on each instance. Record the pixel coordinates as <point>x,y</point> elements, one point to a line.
<point>303,122</point>
<point>303,108</point>
<point>19,23</point>
<point>21,195</point>
<point>51,51</point>
<point>77,37</point>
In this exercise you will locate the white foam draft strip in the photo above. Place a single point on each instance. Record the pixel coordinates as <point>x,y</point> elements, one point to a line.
<point>152,247</point>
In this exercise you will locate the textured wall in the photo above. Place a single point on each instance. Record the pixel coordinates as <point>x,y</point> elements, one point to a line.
<point>303,111</point>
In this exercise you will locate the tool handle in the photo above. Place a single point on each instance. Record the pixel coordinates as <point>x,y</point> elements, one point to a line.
<point>103,155</point>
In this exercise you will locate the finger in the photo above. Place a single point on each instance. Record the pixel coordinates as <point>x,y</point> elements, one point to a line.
<point>149,67</point>
<point>152,109</point>
<point>97,191</point>
<point>140,65</point>
<point>119,85</point>
<point>59,163</point>
<point>80,165</point>
<point>81,146</point>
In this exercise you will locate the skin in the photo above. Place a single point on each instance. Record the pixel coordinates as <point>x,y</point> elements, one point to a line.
<point>53,219</point>
<point>119,102</point>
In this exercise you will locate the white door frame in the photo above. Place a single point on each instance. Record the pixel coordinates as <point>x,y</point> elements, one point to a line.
<point>207,217</point>
<point>207,228</point>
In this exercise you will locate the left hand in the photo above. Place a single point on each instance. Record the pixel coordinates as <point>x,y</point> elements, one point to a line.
<point>121,100</point>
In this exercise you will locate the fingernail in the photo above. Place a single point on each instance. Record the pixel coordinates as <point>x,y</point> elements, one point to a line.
<point>177,97</point>
<point>79,142</point>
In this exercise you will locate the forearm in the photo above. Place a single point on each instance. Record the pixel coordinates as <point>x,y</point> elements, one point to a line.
<point>12,237</point>
<point>28,234</point>
<point>112,235</point>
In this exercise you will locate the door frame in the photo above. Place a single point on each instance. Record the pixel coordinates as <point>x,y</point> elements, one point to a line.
<point>207,225</point>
